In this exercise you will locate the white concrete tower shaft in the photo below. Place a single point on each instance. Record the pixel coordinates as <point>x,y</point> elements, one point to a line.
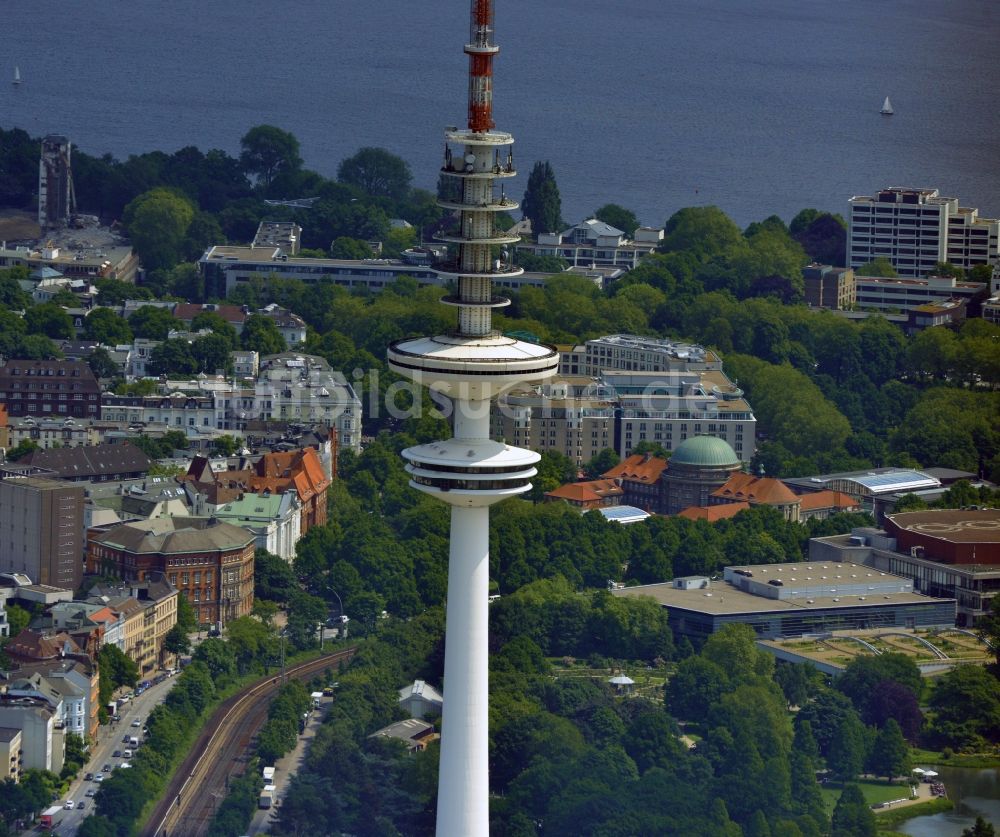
<point>471,472</point>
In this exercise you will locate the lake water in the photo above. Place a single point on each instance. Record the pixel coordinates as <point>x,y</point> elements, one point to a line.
<point>976,793</point>
<point>758,106</point>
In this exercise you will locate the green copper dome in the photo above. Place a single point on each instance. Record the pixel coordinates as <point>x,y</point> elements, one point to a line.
<point>705,452</point>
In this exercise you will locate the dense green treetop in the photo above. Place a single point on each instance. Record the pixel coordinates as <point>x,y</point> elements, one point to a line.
<point>541,203</point>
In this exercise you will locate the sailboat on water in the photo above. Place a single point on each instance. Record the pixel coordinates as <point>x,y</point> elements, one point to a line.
<point>17,75</point>
<point>887,108</point>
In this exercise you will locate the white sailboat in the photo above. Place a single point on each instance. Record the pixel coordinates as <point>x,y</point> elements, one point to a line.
<point>886,107</point>
<point>17,75</point>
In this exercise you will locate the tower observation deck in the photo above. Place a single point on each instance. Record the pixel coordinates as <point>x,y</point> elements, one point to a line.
<point>471,365</point>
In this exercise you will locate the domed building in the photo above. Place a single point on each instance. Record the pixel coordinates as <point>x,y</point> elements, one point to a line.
<point>697,467</point>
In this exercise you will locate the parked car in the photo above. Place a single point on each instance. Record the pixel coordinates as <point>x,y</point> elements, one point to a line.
<point>99,778</point>
<point>89,777</point>
<point>117,754</point>
<point>90,792</point>
<point>106,768</point>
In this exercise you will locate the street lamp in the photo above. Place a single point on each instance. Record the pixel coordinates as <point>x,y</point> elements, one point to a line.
<point>342,631</point>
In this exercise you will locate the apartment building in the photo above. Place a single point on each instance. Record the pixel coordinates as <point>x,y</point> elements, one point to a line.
<point>668,408</point>
<point>574,416</point>
<point>594,242</point>
<point>827,286</point>
<point>49,388</point>
<point>917,228</point>
<point>41,527</point>
<point>626,390</point>
<point>11,755</point>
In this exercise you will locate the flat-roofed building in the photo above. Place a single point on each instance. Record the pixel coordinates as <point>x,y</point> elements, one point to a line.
<point>915,228</point>
<point>827,286</point>
<point>41,528</point>
<point>286,235</point>
<point>43,740</point>
<point>945,552</point>
<point>11,757</point>
<point>630,352</point>
<point>783,600</point>
<point>92,263</point>
<point>878,293</point>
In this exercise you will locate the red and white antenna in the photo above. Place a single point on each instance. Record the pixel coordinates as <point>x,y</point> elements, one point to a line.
<point>481,50</point>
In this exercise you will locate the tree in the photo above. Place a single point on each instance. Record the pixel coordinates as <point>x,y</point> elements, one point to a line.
<point>988,626</point>
<point>260,334</point>
<point>225,445</point>
<point>981,828</point>
<point>102,364</point>
<point>705,231</point>
<point>211,354</point>
<point>877,267</point>
<point>273,577</point>
<point>153,322</point>
<point>852,817</point>
<point>121,670</point>
<point>49,319</point>
<point>105,326</point>
<point>619,217</point>
<point>186,618</point>
<point>846,756</point>
<point>345,247</point>
<point>172,357</point>
<point>22,449</point>
<point>376,172</point>
<point>17,616</point>
<point>217,656</point>
<point>601,463</point>
<point>176,641</point>
<point>268,152</point>
<point>216,323</point>
<point>157,222</point>
<point>541,204</point>
<point>890,754</point>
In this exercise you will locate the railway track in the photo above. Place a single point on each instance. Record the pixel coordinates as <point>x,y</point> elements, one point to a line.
<point>222,749</point>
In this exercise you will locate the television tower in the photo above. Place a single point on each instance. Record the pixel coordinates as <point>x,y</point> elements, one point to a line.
<point>471,472</point>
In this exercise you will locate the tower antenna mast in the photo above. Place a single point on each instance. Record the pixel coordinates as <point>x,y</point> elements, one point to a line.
<point>470,472</point>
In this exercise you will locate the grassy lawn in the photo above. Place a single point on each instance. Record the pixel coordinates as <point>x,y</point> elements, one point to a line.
<point>974,760</point>
<point>892,817</point>
<point>874,792</point>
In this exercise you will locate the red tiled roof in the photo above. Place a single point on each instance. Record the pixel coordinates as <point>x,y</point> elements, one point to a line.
<point>586,492</point>
<point>639,467</point>
<point>748,488</point>
<point>713,513</point>
<point>827,500</point>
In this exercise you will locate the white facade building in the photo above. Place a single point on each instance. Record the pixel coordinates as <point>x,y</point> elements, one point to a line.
<point>917,228</point>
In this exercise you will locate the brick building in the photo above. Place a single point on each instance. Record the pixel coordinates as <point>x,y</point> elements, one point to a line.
<point>210,561</point>
<point>49,388</point>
